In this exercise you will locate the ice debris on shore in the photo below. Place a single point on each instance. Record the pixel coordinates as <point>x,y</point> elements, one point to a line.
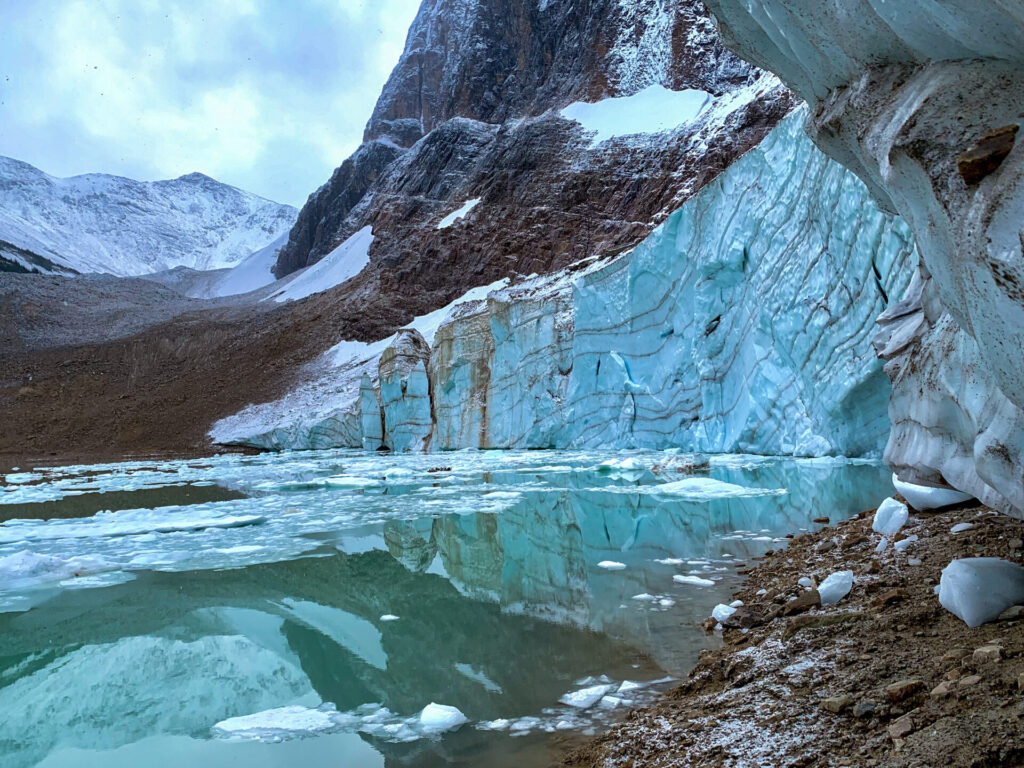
<point>835,587</point>
<point>924,498</point>
<point>890,517</point>
<point>978,589</point>
<point>722,612</point>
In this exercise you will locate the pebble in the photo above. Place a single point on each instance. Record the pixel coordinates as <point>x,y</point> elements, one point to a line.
<point>1012,613</point>
<point>806,601</point>
<point>836,704</point>
<point>970,681</point>
<point>864,708</point>
<point>941,691</point>
<point>986,654</point>
<point>902,727</point>
<point>903,689</point>
<point>1020,681</point>
<point>955,654</point>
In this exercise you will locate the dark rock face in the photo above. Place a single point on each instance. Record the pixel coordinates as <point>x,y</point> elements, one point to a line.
<point>468,113</point>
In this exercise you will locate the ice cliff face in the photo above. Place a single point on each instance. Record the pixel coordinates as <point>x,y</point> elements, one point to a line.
<point>922,101</point>
<point>472,112</point>
<point>101,223</point>
<point>743,323</point>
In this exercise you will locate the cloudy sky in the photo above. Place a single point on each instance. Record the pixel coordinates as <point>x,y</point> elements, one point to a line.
<point>268,95</point>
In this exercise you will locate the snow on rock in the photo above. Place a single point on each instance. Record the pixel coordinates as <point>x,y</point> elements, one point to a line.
<point>924,498</point>
<point>835,587</point>
<point>101,223</point>
<point>454,216</point>
<point>345,261</point>
<point>978,589</point>
<point>440,717</point>
<point>761,289</point>
<point>653,110</point>
<point>586,697</point>
<point>890,516</point>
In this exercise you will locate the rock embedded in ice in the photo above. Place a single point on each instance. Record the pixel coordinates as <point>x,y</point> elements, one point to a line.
<point>890,517</point>
<point>586,697</point>
<point>978,589</point>
<point>924,498</point>
<point>695,580</point>
<point>611,565</point>
<point>835,587</point>
<point>438,718</point>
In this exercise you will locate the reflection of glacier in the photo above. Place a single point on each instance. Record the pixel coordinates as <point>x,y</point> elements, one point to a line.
<point>538,557</point>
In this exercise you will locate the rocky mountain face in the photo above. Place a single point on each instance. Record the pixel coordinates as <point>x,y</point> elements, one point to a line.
<point>118,226</point>
<point>471,113</point>
<point>923,103</point>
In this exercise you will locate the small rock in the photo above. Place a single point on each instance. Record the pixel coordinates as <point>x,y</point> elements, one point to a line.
<point>1016,544</point>
<point>836,704</point>
<point>903,689</point>
<point>970,681</point>
<point>888,598</point>
<point>820,520</point>
<point>864,708</point>
<point>987,653</point>
<point>954,674</point>
<point>955,654</point>
<point>741,618</point>
<point>1012,613</point>
<point>902,727</point>
<point>942,690</point>
<point>1020,682</point>
<point>987,154</point>
<point>806,601</point>
<point>825,546</point>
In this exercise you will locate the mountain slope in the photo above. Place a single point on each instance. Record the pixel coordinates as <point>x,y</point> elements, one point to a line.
<point>102,223</point>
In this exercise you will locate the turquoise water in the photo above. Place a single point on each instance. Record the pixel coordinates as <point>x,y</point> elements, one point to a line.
<point>356,590</point>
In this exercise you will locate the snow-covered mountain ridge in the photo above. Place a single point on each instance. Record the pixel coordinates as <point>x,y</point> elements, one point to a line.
<point>102,223</point>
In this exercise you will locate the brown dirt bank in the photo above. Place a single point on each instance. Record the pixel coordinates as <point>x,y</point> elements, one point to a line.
<point>886,677</point>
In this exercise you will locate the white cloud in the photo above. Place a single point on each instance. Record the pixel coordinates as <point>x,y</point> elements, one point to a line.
<point>269,95</point>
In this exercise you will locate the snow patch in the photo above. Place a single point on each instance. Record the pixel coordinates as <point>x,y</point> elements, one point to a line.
<point>344,262</point>
<point>655,109</point>
<point>454,216</point>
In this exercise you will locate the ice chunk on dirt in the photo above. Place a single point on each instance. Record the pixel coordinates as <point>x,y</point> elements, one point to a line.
<point>835,587</point>
<point>695,580</point>
<point>978,589</point>
<point>890,517</point>
<point>722,612</point>
<point>805,581</point>
<point>586,697</point>
<point>961,527</point>
<point>902,544</point>
<point>441,717</point>
<point>923,498</point>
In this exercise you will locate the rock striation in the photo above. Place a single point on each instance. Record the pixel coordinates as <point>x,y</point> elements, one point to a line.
<point>742,324</point>
<point>921,100</point>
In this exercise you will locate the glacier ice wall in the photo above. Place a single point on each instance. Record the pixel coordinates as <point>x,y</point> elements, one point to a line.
<point>922,101</point>
<point>743,323</point>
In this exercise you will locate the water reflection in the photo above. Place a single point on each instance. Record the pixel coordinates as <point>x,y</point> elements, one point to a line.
<point>498,613</point>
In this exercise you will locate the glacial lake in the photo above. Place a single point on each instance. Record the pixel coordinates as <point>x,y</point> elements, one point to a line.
<point>306,608</point>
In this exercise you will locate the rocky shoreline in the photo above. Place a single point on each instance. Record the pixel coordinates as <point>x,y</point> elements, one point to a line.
<point>884,677</point>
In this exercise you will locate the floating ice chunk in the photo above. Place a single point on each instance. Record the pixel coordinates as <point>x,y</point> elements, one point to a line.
<point>586,697</point>
<point>835,587</point>
<point>706,488</point>
<point>25,569</point>
<point>924,498</point>
<point>722,612</point>
<point>440,717</point>
<point>645,598</point>
<point>902,544</point>
<point>890,517</point>
<point>629,685</point>
<point>961,527</point>
<point>670,561</point>
<point>124,523</point>
<point>351,481</point>
<point>666,602</point>
<point>695,580</point>
<point>805,581</point>
<point>978,589</point>
<point>389,617</point>
<point>272,724</point>
<point>611,565</point>
<point>610,702</point>
<point>501,724</point>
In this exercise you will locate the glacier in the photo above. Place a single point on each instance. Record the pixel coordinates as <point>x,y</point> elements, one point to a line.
<point>743,323</point>
<point>921,100</point>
